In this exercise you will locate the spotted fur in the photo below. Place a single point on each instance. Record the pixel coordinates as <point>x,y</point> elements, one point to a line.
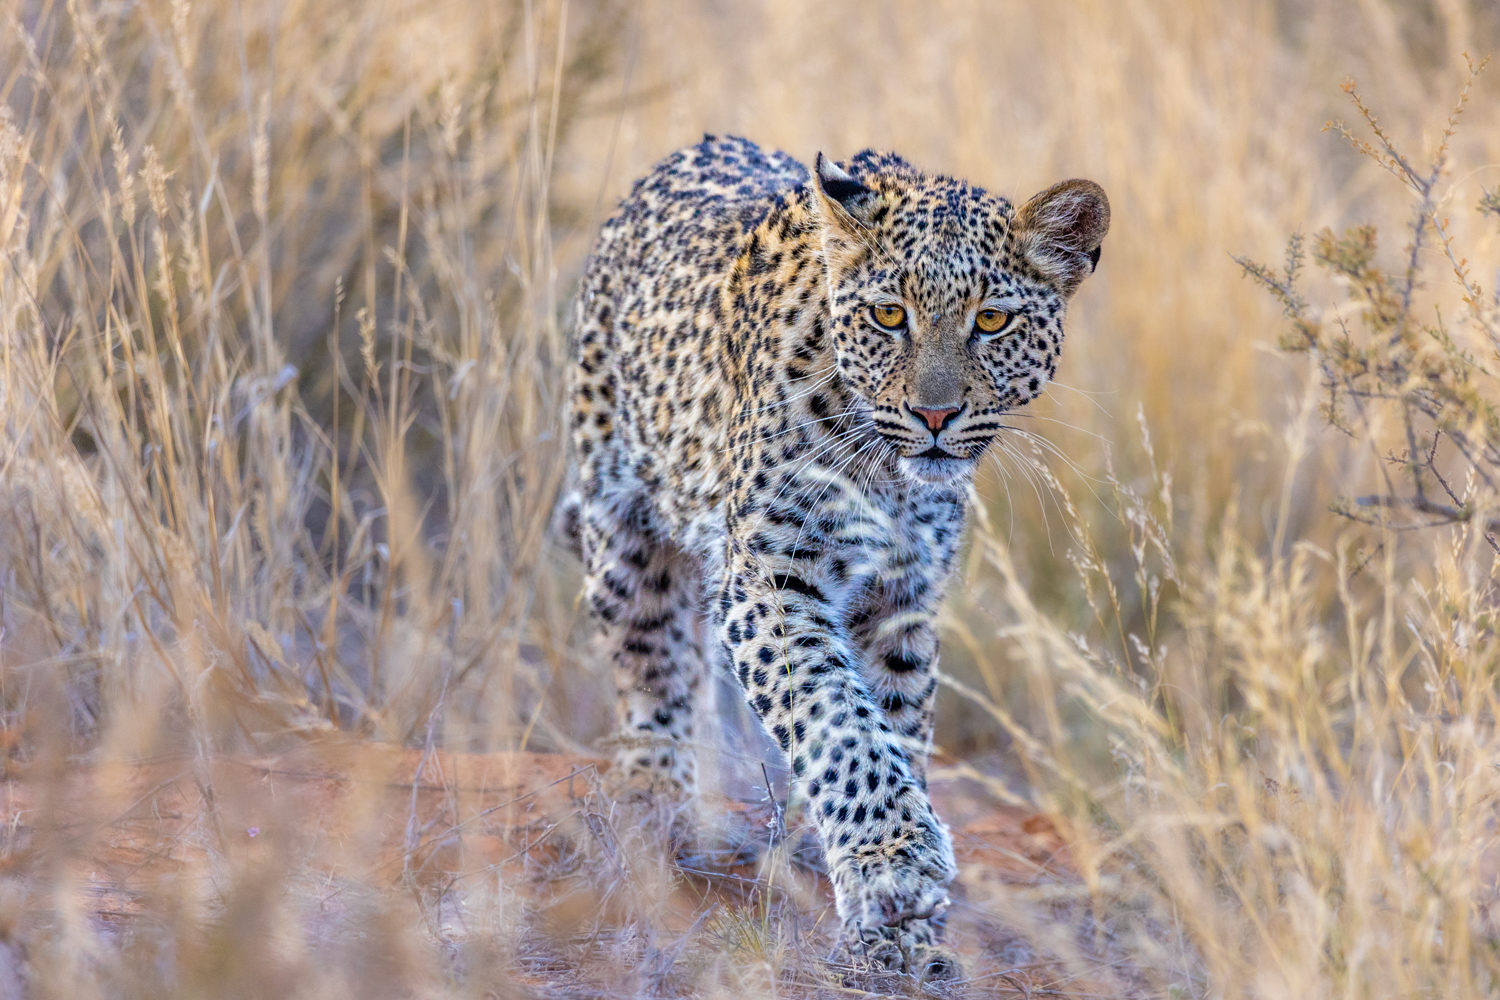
<point>766,472</point>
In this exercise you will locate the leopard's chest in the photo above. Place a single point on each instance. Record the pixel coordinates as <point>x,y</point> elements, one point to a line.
<point>921,549</point>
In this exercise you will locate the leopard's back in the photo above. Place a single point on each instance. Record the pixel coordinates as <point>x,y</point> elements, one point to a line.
<point>647,399</point>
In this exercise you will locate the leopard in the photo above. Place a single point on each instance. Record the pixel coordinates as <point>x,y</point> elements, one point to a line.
<point>783,381</point>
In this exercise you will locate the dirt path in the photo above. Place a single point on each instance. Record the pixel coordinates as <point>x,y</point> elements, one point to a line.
<point>128,844</point>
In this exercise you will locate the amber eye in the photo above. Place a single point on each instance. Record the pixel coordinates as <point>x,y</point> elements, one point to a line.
<point>992,320</point>
<point>888,315</point>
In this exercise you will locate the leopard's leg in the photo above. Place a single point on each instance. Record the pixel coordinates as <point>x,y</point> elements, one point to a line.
<point>645,591</point>
<point>901,650</point>
<point>889,856</point>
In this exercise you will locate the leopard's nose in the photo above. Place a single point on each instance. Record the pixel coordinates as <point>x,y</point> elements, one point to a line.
<point>937,417</point>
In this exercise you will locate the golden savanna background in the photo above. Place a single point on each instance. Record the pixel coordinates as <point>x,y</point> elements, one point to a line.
<point>296,695</point>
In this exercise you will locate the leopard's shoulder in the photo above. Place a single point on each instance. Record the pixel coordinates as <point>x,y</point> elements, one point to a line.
<point>691,213</point>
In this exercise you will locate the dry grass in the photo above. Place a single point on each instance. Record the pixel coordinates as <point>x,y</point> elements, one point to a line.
<point>283,308</point>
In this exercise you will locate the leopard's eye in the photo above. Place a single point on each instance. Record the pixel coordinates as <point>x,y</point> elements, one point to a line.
<point>888,315</point>
<point>992,320</point>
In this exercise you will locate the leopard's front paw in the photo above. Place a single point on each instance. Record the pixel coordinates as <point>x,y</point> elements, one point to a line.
<point>892,895</point>
<point>898,950</point>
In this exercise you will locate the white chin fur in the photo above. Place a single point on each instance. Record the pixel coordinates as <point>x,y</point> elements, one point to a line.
<point>935,471</point>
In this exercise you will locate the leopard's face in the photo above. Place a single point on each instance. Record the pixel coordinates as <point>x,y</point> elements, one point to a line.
<point>947,304</point>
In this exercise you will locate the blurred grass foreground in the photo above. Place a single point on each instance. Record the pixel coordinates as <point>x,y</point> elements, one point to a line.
<point>295,695</point>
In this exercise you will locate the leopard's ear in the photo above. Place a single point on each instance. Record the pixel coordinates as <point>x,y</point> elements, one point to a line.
<point>1060,232</point>
<point>845,201</point>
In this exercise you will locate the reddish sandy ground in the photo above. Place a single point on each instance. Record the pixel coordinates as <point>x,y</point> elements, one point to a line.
<point>125,838</point>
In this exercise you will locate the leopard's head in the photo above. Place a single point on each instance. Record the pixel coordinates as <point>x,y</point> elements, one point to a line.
<point>948,303</point>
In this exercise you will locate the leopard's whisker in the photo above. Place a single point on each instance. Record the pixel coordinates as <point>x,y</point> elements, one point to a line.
<point>1046,445</point>
<point>1085,394</point>
<point>1028,471</point>
<point>825,378</point>
<point>997,457</point>
<point>1037,440</point>
<point>1022,414</point>
<point>833,419</point>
